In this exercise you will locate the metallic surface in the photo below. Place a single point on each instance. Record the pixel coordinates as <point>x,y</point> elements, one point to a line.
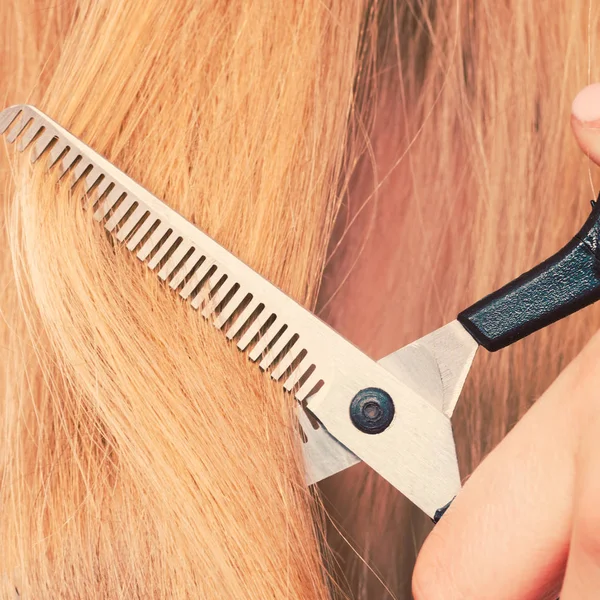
<point>436,365</point>
<point>323,454</point>
<point>415,453</point>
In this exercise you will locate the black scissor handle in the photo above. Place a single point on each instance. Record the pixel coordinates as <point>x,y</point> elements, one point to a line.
<point>556,288</point>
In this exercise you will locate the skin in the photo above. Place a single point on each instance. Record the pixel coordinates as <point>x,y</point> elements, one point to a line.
<point>526,525</point>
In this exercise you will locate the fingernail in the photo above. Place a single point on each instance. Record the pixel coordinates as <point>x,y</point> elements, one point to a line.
<point>586,106</point>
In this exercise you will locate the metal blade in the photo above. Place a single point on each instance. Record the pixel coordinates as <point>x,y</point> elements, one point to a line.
<point>436,366</point>
<point>324,456</point>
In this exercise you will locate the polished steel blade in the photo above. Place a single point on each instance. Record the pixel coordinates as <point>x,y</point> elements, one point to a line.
<point>436,366</point>
<point>324,456</point>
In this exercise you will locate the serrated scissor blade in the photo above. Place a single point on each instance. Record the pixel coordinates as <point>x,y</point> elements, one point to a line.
<point>416,453</point>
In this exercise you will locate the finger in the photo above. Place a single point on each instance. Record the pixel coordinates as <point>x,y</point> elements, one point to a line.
<point>507,533</point>
<point>582,579</point>
<point>585,120</point>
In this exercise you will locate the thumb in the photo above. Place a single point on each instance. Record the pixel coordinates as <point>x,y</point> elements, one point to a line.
<point>585,120</point>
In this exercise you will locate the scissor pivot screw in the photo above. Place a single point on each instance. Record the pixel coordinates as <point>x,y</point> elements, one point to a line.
<point>372,410</point>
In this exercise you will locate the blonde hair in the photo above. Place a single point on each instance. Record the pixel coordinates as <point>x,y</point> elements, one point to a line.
<point>140,455</point>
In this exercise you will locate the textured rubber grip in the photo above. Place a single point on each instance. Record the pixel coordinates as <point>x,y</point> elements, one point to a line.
<point>556,288</point>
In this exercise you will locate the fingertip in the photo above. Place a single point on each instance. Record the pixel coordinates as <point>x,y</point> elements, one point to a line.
<point>586,105</point>
<point>428,573</point>
<point>585,120</point>
<point>438,572</point>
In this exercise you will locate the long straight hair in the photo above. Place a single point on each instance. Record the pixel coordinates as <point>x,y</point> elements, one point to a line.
<point>140,454</point>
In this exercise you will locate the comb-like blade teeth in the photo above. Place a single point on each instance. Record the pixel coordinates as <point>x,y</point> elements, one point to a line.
<point>202,296</point>
<point>67,162</point>
<point>141,232</point>
<point>8,116</point>
<point>253,330</point>
<point>185,269</point>
<point>18,126</point>
<point>33,131</point>
<point>265,340</point>
<point>228,310</point>
<point>174,260</point>
<point>275,331</point>
<point>275,350</point>
<point>56,152</point>
<point>91,179</point>
<point>108,202</point>
<point>97,194</point>
<point>295,376</point>
<point>218,297</point>
<point>286,361</point>
<point>80,168</point>
<point>197,277</point>
<point>163,250</point>
<point>153,240</point>
<point>307,387</point>
<point>132,220</point>
<point>242,318</point>
<point>42,144</point>
<point>121,211</point>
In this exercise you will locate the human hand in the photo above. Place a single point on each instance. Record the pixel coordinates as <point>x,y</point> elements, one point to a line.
<point>526,525</point>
